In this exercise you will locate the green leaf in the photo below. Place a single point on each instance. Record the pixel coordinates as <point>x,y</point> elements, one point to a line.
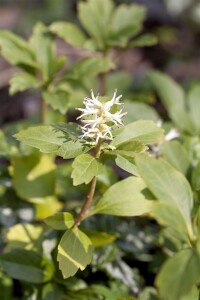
<point>139,111</point>
<point>168,215</point>
<point>144,40</point>
<point>129,298</point>
<point>70,129</point>
<point>130,148</point>
<point>6,149</point>
<point>6,287</point>
<point>51,292</point>
<point>34,177</point>
<point>143,131</point>
<point>54,116</point>
<point>44,138</point>
<point>27,266</point>
<point>24,236</point>
<point>171,94</point>
<point>173,97</point>
<point>126,22</point>
<point>72,149</point>
<point>149,293</point>
<point>196,177</point>
<point>69,32</point>
<point>60,221</point>
<point>89,67</point>
<point>95,16</point>
<point>22,82</point>
<point>74,252</point>
<point>182,120</point>
<point>122,39</point>
<point>127,16</point>
<point>167,184</point>
<point>176,155</point>
<point>94,291</point>
<point>128,197</point>
<point>179,274</point>
<point>51,139</point>
<point>193,295</point>
<point>194,107</point>
<point>41,39</point>
<point>85,167</point>
<point>116,289</point>
<point>127,164</point>
<point>47,206</point>
<point>99,239</point>
<point>16,50</point>
<point>58,99</point>
<point>57,64</point>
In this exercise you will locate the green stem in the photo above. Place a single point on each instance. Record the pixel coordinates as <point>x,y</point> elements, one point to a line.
<point>90,195</point>
<point>103,78</point>
<point>102,83</point>
<point>43,111</point>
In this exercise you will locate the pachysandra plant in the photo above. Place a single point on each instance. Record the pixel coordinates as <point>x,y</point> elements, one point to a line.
<point>100,136</point>
<point>166,187</point>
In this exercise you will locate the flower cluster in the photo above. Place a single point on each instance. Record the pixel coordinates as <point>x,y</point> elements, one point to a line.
<point>96,115</point>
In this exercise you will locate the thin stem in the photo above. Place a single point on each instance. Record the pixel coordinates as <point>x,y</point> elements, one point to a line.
<point>87,203</point>
<point>90,195</point>
<point>43,104</point>
<point>102,83</point>
<point>103,78</point>
<point>43,110</point>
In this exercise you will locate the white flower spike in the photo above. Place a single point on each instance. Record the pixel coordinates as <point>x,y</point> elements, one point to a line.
<point>97,115</point>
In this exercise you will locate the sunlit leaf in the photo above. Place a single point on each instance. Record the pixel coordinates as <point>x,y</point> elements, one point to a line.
<point>85,167</point>
<point>74,252</point>
<point>99,239</point>
<point>47,206</point>
<point>25,236</point>
<point>60,221</point>
<point>51,139</point>
<point>143,131</point>
<point>130,148</point>
<point>128,197</point>
<point>34,176</point>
